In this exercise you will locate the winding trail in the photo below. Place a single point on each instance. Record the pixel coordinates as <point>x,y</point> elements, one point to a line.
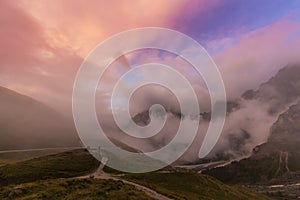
<point>100,174</point>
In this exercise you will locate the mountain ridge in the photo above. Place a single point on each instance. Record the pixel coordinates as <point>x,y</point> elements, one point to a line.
<point>272,162</point>
<point>28,123</point>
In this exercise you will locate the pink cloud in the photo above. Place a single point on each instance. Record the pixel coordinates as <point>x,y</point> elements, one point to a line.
<point>43,43</point>
<point>258,55</point>
<point>82,25</point>
<point>29,63</point>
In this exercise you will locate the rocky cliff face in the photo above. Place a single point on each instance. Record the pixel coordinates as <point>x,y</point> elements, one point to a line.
<point>256,111</point>
<point>276,161</point>
<point>280,91</point>
<point>285,133</point>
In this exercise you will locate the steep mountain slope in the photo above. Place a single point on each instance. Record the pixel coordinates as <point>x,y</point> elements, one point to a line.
<point>280,91</point>
<point>257,110</point>
<point>277,161</point>
<point>248,118</point>
<point>27,123</point>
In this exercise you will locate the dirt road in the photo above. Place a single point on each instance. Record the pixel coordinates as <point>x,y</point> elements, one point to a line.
<point>100,174</point>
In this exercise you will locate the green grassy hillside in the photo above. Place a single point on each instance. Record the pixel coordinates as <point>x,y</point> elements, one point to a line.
<point>49,177</point>
<point>62,165</point>
<point>63,189</point>
<point>189,185</point>
<point>247,171</point>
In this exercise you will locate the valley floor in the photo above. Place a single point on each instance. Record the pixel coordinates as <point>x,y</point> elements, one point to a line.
<point>290,191</point>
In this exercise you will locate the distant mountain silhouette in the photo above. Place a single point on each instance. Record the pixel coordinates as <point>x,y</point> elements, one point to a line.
<point>27,123</point>
<point>279,91</point>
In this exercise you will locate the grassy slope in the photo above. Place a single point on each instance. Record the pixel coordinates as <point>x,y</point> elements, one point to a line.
<point>247,171</point>
<point>82,189</point>
<point>63,165</point>
<point>178,185</point>
<point>192,186</point>
<point>256,170</point>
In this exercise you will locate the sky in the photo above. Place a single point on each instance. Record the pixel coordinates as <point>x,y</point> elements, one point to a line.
<point>43,43</point>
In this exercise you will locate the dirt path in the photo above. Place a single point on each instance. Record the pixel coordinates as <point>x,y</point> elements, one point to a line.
<point>100,174</point>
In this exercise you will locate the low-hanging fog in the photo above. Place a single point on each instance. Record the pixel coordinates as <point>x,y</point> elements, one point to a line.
<point>249,117</point>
